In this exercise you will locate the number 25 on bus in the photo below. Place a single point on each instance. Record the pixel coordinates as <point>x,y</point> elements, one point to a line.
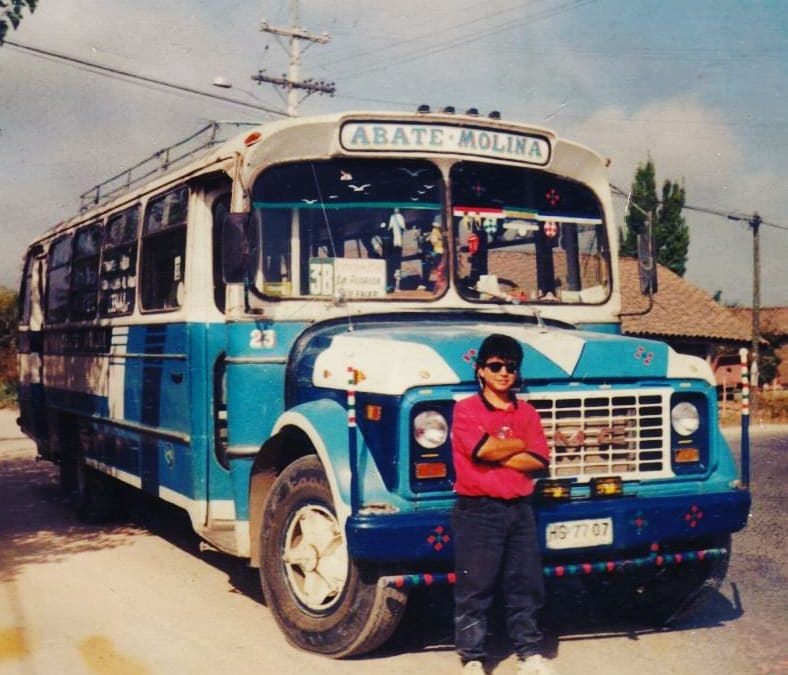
<point>271,334</point>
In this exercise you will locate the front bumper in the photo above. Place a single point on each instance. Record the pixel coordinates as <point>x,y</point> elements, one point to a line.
<point>424,539</point>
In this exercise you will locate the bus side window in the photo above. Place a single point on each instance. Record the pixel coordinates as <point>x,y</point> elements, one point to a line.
<point>118,275</point>
<point>25,306</point>
<point>164,251</point>
<point>221,207</point>
<point>58,275</point>
<point>83,296</point>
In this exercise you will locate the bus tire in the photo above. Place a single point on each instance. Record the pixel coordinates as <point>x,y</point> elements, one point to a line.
<point>94,496</point>
<point>323,601</point>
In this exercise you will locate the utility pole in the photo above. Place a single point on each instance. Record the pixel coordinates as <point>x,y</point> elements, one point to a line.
<point>290,82</point>
<point>755,224</point>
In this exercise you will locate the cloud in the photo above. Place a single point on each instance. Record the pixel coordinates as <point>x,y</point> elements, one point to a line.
<point>693,143</point>
<point>682,137</point>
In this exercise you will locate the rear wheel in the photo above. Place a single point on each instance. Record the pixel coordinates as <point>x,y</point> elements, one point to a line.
<point>93,495</point>
<point>323,600</point>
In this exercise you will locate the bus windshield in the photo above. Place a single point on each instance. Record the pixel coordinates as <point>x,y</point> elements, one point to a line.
<point>527,235</point>
<point>355,228</point>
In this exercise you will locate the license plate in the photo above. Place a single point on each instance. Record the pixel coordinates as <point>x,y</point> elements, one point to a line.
<point>579,533</point>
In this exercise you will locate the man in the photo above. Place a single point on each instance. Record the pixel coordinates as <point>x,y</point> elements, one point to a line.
<point>497,443</point>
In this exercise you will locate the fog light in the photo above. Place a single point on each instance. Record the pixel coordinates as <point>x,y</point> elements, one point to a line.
<point>608,486</point>
<point>553,489</point>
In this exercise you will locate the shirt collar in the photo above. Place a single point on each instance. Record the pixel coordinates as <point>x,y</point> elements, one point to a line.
<point>490,406</point>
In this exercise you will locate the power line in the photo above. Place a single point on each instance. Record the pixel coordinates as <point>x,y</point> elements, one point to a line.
<point>735,214</point>
<point>109,72</point>
<point>463,40</point>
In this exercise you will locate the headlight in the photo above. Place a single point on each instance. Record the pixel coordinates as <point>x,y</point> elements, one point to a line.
<point>430,429</point>
<point>685,418</point>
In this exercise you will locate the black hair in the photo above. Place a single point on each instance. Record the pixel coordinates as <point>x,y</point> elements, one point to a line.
<point>500,345</point>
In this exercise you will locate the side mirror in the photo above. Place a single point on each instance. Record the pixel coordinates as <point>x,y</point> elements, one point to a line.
<point>647,260</point>
<point>239,248</point>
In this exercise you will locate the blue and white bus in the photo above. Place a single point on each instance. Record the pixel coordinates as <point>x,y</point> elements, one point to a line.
<point>272,335</point>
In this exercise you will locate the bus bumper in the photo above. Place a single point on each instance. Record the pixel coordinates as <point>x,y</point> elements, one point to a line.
<point>425,540</point>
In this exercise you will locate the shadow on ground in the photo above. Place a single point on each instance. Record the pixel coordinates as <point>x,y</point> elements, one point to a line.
<point>38,526</point>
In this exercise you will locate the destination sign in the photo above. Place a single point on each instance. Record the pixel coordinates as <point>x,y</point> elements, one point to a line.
<point>445,139</point>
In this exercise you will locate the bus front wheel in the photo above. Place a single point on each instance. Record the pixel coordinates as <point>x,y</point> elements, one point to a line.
<point>323,600</point>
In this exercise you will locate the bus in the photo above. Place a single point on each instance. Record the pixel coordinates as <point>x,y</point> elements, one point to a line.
<point>271,334</point>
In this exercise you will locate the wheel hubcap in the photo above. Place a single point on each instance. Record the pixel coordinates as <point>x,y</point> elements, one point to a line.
<point>315,557</point>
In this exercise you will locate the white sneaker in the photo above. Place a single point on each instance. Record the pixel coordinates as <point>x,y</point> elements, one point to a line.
<point>536,664</point>
<point>473,667</point>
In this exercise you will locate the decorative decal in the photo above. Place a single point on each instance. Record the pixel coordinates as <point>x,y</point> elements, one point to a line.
<point>642,355</point>
<point>552,197</point>
<point>469,356</point>
<point>639,522</point>
<point>550,229</point>
<point>693,516</point>
<point>438,539</point>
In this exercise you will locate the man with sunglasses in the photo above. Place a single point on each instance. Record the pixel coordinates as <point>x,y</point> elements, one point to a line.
<point>497,444</point>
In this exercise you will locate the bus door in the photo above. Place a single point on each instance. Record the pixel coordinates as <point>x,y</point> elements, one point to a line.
<point>31,348</point>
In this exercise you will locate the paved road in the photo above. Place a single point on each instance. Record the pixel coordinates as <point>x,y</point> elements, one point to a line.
<point>146,599</point>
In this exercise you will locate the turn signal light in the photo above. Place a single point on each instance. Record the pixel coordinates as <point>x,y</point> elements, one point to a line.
<point>426,470</point>
<point>686,455</point>
<point>608,486</point>
<point>553,489</point>
<point>373,413</point>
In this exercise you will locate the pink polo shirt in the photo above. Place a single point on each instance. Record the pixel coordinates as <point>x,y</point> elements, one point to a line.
<point>474,421</point>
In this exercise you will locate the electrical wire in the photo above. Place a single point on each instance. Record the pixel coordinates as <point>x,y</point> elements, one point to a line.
<point>730,215</point>
<point>110,72</point>
<point>463,40</point>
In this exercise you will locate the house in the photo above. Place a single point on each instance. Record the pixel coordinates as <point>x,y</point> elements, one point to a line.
<point>774,327</point>
<point>686,317</point>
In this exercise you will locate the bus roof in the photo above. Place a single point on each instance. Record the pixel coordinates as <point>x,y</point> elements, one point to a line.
<point>214,147</point>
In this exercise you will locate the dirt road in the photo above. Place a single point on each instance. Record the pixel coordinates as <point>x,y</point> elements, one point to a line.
<point>145,598</point>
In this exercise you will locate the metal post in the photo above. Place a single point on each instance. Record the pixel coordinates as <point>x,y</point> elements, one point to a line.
<point>352,439</point>
<point>755,223</point>
<point>291,82</point>
<point>745,419</point>
<point>294,70</point>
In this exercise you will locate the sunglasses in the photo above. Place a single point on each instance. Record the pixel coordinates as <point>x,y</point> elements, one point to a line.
<point>496,366</point>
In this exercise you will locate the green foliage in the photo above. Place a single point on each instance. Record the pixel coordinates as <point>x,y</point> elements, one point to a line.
<point>644,194</point>
<point>11,14</point>
<point>768,359</point>
<point>670,230</point>
<point>8,370</point>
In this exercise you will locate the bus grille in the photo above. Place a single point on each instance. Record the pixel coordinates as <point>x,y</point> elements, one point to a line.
<point>600,433</point>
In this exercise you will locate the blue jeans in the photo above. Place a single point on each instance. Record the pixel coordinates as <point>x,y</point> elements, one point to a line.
<point>495,543</point>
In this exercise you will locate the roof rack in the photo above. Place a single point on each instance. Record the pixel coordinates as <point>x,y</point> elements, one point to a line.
<point>203,139</point>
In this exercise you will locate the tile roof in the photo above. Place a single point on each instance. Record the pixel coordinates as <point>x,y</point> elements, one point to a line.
<point>773,320</point>
<point>680,309</point>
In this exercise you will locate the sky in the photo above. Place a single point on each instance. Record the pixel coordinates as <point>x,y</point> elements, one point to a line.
<point>697,87</point>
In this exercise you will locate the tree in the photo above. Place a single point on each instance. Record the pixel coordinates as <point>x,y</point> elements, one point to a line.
<point>11,14</point>
<point>768,358</point>
<point>670,230</point>
<point>8,365</point>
